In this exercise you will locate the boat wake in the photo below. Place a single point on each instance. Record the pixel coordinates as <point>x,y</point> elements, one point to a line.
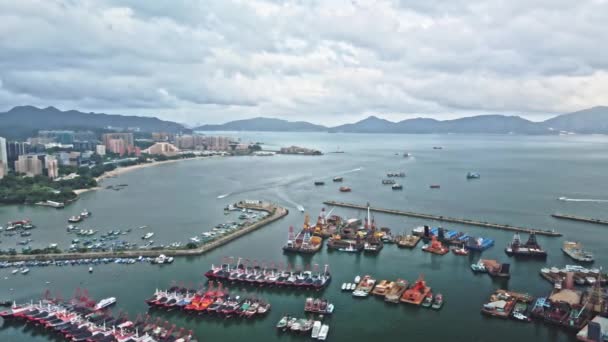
<point>351,171</point>
<point>566,199</point>
<point>224,195</point>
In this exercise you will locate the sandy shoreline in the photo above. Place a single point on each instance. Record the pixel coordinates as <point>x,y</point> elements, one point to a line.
<point>120,170</point>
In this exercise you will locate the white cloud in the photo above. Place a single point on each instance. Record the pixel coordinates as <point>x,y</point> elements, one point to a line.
<point>325,61</point>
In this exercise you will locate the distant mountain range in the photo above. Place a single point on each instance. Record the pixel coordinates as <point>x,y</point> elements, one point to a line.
<point>24,121</point>
<point>264,125</point>
<point>592,120</point>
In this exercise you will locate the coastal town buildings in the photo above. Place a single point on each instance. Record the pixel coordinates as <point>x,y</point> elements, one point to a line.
<point>100,150</point>
<point>119,143</point>
<point>162,148</point>
<point>3,157</point>
<point>52,167</point>
<point>14,150</point>
<point>29,164</point>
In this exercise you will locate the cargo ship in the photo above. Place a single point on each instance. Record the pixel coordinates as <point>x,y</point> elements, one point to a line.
<point>435,247</point>
<point>529,249</point>
<point>575,251</point>
<point>396,291</point>
<point>304,241</point>
<point>416,294</point>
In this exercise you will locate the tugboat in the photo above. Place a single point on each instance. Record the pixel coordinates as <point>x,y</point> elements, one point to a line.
<point>529,249</point>
<point>575,251</point>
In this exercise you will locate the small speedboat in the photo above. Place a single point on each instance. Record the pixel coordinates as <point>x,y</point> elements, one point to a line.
<point>521,317</point>
<point>343,286</point>
<point>25,271</point>
<point>357,279</point>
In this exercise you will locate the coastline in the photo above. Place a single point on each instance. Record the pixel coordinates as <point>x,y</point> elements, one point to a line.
<point>121,170</point>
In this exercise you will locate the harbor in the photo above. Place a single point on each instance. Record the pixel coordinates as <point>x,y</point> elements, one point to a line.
<point>465,221</point>
<point>275,213</point>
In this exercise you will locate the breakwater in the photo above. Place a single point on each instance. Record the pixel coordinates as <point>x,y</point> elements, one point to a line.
<point>275,212</point>
<point>580,219</point>
<point>447,219</point>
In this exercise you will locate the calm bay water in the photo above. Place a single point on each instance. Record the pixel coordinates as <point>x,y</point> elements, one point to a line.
<point>521,179</point>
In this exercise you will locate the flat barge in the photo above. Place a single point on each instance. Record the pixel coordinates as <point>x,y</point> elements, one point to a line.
<point>448,219</point>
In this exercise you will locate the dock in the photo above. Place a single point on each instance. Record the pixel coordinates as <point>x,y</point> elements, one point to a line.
<point>579,219</point>
<point>276,212</point>
<point>507,227</point>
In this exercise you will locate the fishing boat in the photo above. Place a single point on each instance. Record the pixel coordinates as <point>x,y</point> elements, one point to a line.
<point>434,186</point>
<point>388,181</point>
<point>416,294</point>
<point>529,249</point>
<point>85,213</point>
<point>364,287</point>
<point>338,179</point>
<point>318,306</point>
<point>575,251</point>
<point>25,270</point>
<point>437,302</point>
<point>147,236</point>
<point>460,250</point>
<point>406,154</point>
<point>319,183</point>
<point>397,187</point>
<point>282,324</point>
<point>345,189</point>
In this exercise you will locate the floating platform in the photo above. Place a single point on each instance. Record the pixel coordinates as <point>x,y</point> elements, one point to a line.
<point>447,219</point>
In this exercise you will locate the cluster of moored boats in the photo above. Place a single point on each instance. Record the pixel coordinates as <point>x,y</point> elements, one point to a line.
<point>85,321</point>
<point>81,262</point>
<point>316,328</point>
<point>396,291</point>
<point>270,276</point>
<point>213,300</point>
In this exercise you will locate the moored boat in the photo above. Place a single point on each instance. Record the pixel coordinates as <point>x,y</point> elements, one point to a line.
<point>575,251</point>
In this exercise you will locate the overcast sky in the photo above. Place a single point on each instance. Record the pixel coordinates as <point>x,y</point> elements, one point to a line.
<point>323,61</point>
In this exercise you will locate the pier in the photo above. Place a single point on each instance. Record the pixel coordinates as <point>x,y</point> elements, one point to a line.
<point>447,219</point>
<point>579,219</point>
<point>275,212</point>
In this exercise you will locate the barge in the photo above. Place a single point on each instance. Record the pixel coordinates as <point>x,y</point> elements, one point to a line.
<point>530,249</point>
<point>416,294</point>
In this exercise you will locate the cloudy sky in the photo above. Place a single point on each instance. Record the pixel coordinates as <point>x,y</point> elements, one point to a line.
<point>325,61</point>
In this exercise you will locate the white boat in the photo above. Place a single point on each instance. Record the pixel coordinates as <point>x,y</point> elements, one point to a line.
<point>357,279</point>
<point>343,286</point>
<point>25,271</point>
<point>85,213</point>
<point>316,328</point>
<point>90,269</point>
<point>104,303</point>
<point>148,235</point>
<point>323,332</point>
<point>195,239</point>
<point>15,271</point>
